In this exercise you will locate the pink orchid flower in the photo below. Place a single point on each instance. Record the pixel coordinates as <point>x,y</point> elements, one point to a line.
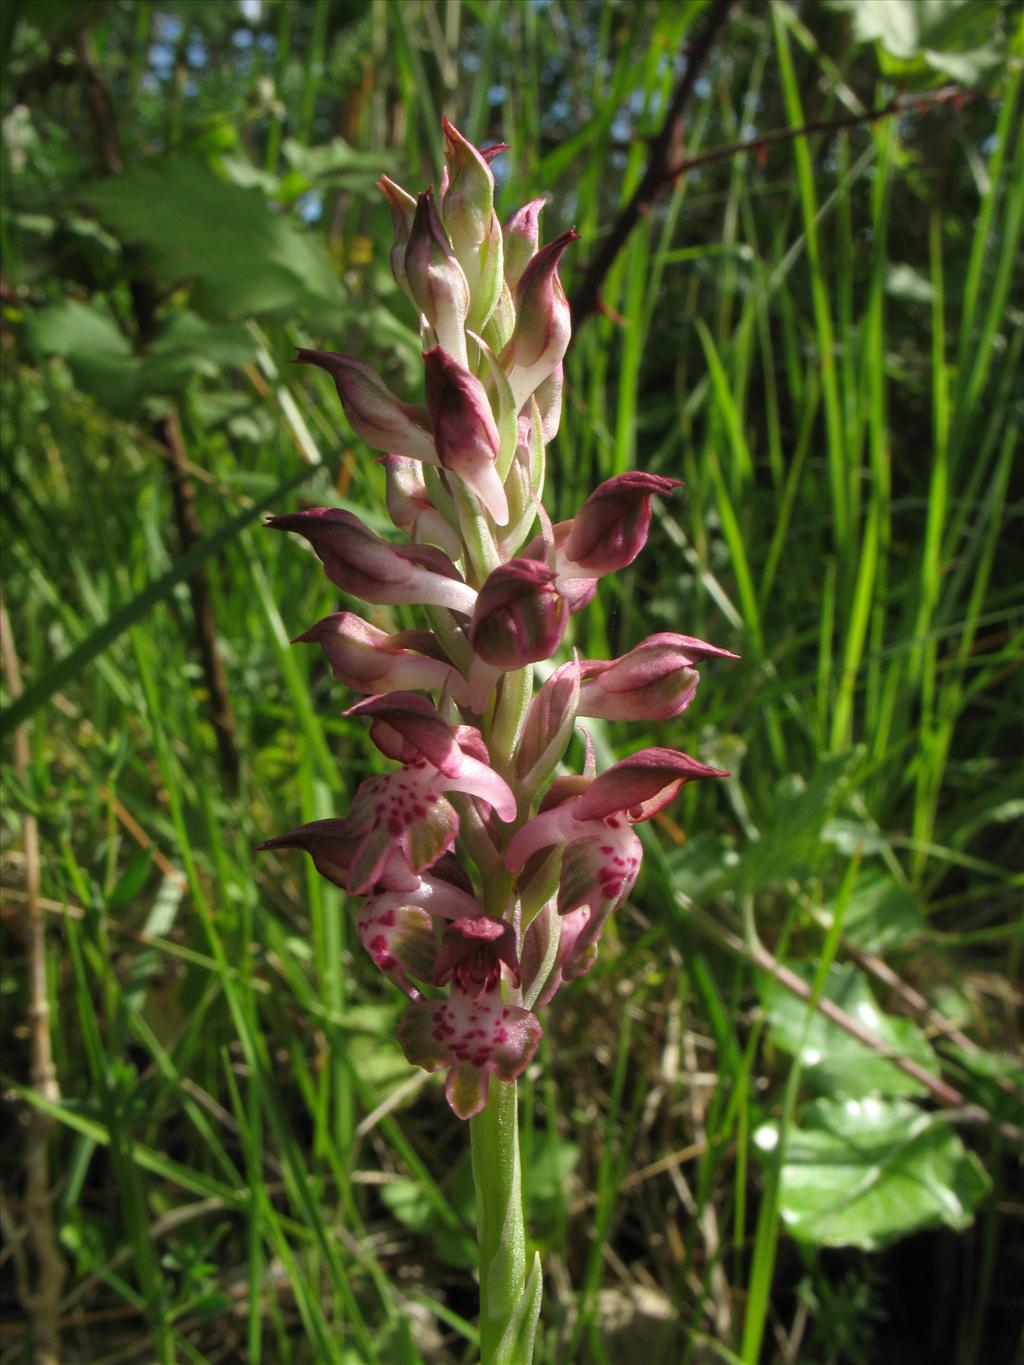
<point>473,1033</point>
<point>594,819</point>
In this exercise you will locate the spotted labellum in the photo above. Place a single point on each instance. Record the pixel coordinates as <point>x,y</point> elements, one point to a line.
<point>480,871</point>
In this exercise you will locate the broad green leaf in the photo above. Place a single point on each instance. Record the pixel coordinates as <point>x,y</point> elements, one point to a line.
<point>335,160</point>
<point>991,1079</point>
<point>72,328</point>
<point>701,865</point>
<point>104,365</point>
<point>834,1062</point>
<point>960,38</point>
<point>791,844</point>
<point>211,346</point>
<point>879,913</point>
<point>552,1162</point>
<point>242,257</point>
<point>865,1172</point>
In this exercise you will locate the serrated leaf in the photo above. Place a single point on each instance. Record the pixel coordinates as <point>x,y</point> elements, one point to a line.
<point>865,1172</point>
<point>835,1063</point>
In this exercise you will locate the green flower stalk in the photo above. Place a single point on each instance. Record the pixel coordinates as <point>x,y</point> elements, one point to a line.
<point>481,879</point>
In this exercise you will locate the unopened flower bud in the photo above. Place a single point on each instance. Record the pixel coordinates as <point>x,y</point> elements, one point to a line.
<point>548,726</point>
<point>328,842</point>
<point>610,529</point>
<point>641,785</point>
<point>374,413</point>
<point>468,209</point>
<point>403,211</point>
<point>548,397</point>
<point>655,681</point>
<point>542,321</point>
<point>465,433</point>
<point>410,508</point>
<point>406,726</point>
<point>522,236</point>
<point>369,660</point>
<point>360,562</point>
<point>520,615</point>
<point>436,279</point>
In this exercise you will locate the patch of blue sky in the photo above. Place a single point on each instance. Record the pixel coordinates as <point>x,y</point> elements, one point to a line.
<point>310,206</point>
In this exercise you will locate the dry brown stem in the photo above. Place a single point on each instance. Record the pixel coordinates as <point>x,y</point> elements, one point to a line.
<point>40,1299</point>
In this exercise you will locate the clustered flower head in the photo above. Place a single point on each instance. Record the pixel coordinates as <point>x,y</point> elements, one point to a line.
<point>482,876</point>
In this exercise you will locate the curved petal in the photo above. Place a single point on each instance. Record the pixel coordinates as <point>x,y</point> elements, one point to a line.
<point>641,784</point>
<point>557,826</point>
<point>477,779</point>
<point>405,725</point>
<point>328,842</point>
<point>438,898</point>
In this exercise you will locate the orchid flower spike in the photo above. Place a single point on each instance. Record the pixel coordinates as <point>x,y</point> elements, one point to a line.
<point>480,874</point>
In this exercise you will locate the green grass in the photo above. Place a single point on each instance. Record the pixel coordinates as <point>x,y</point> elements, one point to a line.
<point>244,1166</point>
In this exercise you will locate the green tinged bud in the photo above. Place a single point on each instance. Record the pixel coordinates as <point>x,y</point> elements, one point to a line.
<point>467,207</point>
<point>437,281</point>
<point>403,211</point>
<point>521,236</point>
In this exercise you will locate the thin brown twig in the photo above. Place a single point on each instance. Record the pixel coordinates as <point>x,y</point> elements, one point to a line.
<point>901,104</point>
<point>41,1300</point>
<point>660,173</point>
<point>941,1091</point>
<point>928,1015</point>
<point>586,297</point>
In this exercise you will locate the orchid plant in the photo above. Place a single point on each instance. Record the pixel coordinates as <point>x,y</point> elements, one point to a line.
<point>482,872</point>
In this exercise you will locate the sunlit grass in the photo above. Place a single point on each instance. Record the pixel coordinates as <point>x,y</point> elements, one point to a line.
<point>247,1169</point>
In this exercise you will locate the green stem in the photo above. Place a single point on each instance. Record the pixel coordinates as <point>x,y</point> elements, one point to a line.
<point>509,1304</point>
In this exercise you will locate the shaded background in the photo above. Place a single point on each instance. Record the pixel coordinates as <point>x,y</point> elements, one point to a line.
<point>822,337</point>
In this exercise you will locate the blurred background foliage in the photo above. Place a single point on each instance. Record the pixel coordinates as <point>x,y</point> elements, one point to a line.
<point>823,337</point>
